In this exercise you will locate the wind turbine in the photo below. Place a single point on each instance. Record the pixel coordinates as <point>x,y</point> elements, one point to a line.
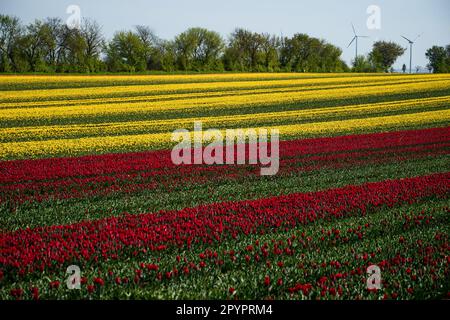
<point>411,42</point>
<point>355,38</point>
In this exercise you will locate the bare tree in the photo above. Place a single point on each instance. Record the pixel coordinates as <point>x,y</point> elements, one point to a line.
<point>149,40</point>
<point>10,32</point>
<point>147,35</point>
<point>91,32</point>
<point>52,46</point>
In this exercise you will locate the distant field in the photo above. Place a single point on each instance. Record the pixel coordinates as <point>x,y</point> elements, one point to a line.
<point>48,116</point>
<point>86,179</point>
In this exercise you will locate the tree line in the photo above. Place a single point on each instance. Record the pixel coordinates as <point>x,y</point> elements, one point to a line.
<point>49,45</point>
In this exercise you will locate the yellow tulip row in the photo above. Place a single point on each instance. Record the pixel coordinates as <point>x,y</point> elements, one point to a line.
<point>361,124</point>
<point>33,149</point>
<point>233,121</point>
<point>220,102</point>
<point>106,117</point>
<point>123,79</point>
<point>147,89</point>
<point>12,79</point>
<point>191,95</point>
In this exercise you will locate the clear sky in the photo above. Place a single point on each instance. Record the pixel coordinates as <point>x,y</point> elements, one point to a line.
<point>327,19</point>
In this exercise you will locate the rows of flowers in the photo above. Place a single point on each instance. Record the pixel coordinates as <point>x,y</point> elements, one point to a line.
<point>314,261</point>
<point>31,250</point>
<point>77,120</point>
<point>132,86</point>
<point>254,119</point>
<point>62,178</point>
<point>76,188</point>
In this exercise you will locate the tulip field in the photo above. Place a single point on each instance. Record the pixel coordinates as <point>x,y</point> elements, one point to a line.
<point>86,179</point>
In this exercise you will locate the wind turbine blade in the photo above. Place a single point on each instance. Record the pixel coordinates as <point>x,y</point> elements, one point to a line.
<point>353,27</point>
<point>406,39</point>
<point>363,36</point>
<point>417,37</point>
<point>351,41</point>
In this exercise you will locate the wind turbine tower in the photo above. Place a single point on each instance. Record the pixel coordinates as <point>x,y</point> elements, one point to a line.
<point>411,42</point>
<point>355,38</point>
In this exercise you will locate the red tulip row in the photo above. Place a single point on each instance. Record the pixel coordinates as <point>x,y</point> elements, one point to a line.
<point>30,250</point>
<point>37,180</point>
<point>57,168</point>
<point>282,268</point>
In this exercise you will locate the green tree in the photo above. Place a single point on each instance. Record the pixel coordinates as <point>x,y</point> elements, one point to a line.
<point>330,58</point>
<point>295,53</point>
<point>51,34</point>
<point>384,54</point>
<point>72,51</point>
<point>244,51</point>
<point>270,46</point>
<point>362,64</point>
<point>302,53</point>
<point>168,56</point>
<point>31,45</point>
<point>343,67</point>
<point>126,52</point>
<point>199,49</point>
<point>439,58</point>
<point>404,68</point>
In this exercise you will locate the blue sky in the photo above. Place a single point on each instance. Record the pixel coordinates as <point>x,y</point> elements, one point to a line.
<point>325,19</point>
